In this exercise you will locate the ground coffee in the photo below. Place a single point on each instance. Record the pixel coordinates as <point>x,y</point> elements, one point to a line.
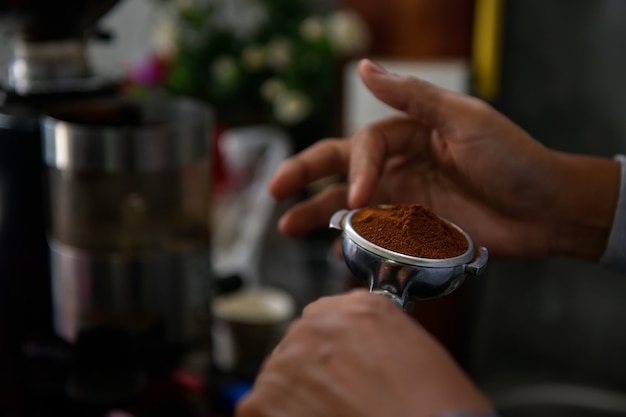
<point>410,229</point>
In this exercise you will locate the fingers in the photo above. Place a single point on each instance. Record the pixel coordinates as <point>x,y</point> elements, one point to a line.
<point>269,390</point>
<point>373,147</point>
<point>323,159</point>
<point>365,156</point>
<point>356,300</point>
<point>314,212</point>
<point>423,101</point>
<point>329,302</point>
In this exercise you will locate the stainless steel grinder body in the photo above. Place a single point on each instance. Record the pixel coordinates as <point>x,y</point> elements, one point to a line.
<point>129,215</point>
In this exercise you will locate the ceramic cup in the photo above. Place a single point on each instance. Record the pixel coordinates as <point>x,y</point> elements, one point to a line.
<point>247,325</point>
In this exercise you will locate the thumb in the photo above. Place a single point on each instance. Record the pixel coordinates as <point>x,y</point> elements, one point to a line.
<point>418,98</point>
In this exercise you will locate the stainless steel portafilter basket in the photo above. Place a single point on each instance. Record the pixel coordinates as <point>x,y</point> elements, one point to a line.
<point>405,279</point>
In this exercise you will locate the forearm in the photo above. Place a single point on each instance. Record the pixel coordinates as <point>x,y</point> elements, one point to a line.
<point>585,208</point>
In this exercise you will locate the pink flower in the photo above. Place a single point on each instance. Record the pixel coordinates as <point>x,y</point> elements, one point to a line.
<point>150,72</point>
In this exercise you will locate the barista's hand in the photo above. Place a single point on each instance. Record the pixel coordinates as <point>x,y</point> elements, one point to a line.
<point>359,355</point>
<point>469,163</point>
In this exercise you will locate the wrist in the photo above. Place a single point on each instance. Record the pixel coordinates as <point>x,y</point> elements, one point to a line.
<point>585,207</point>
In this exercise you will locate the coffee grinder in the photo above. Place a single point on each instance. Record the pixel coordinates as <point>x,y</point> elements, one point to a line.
<point>129,181</point>
<point>104,246</point>
<point>48,64</point>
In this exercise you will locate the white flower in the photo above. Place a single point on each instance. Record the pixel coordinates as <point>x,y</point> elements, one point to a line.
<point>253,57</point>
<point>185,6</point>
<point>224,70</point>
<point>279,53</point>
<point>292,107</point>
<point>271,88</point>
<point>241,17</point>
<point>347,32</point>
<point>165,35</point>
<point>312,28</point>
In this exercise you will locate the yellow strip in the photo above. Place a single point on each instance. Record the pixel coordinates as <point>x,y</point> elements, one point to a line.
<point>486,43</point>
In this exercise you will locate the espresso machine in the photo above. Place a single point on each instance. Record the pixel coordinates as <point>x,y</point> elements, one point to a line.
<point>104,225</point>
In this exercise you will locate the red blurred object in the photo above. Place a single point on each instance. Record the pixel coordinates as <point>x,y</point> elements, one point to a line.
<point>220,170</point>
<point>150,72</point>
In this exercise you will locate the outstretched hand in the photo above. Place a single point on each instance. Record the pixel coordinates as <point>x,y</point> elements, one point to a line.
<point>467,162</point>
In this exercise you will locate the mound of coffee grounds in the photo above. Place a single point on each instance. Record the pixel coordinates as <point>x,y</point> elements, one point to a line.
<point>409,229</point>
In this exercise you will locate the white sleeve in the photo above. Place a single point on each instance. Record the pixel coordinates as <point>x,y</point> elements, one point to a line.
<point>614,256</point>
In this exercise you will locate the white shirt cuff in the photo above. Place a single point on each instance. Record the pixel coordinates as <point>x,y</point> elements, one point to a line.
<point>614,256</point>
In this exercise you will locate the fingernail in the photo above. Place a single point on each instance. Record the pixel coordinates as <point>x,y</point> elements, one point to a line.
<point>377,68</point>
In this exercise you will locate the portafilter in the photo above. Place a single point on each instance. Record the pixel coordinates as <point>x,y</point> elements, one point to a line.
<point>403,278</point>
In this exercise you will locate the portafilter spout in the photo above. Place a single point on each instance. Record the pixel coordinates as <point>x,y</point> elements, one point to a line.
<point>405,279</point>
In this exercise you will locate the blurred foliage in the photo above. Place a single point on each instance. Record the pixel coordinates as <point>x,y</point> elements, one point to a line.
<point>255,61</point>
